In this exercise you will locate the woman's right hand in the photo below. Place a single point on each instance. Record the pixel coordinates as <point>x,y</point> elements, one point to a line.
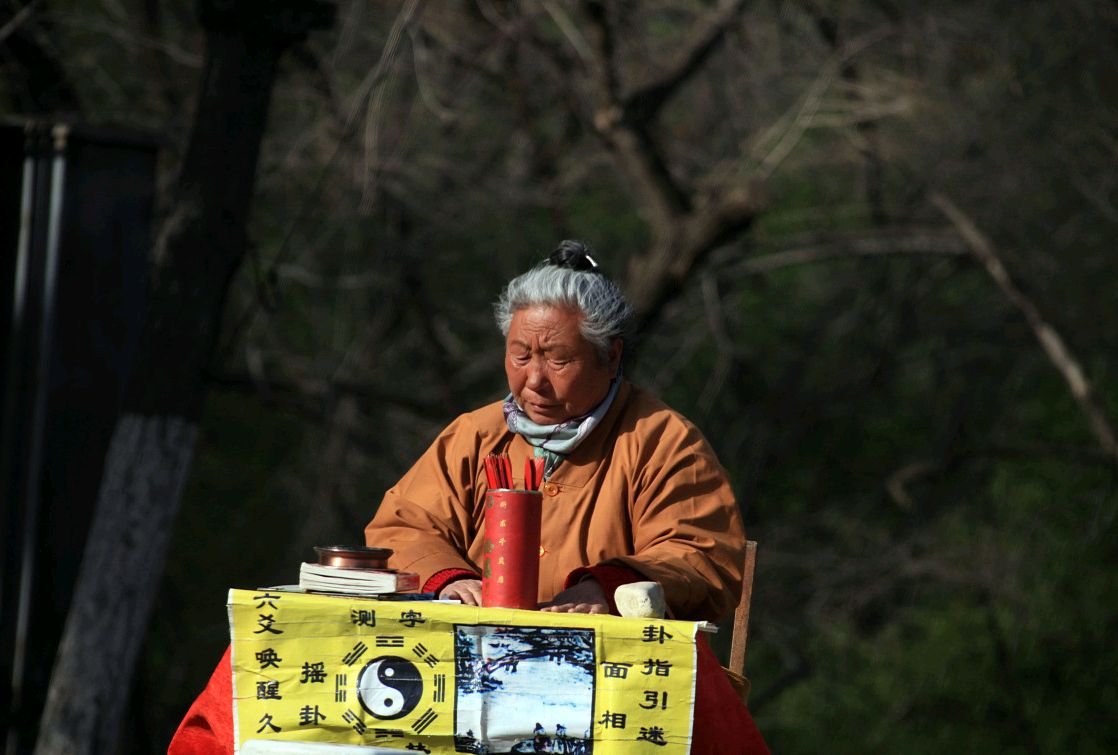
<point>466,590</point>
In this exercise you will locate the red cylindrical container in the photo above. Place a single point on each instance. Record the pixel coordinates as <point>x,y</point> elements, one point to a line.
<point>510,568</point>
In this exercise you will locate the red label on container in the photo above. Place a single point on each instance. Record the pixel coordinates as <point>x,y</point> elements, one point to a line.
<point>510,571</point>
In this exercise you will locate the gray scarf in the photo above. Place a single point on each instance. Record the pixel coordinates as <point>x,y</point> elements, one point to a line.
<point>555,442</point>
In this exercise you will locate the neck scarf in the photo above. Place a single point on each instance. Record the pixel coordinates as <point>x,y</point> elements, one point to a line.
<point>555,442</point>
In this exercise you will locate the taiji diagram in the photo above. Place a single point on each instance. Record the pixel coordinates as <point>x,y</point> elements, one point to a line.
<point>389,687</point>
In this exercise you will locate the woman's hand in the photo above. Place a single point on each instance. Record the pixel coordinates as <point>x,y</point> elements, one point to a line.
<point>585,597</point>
<point>466,590</point>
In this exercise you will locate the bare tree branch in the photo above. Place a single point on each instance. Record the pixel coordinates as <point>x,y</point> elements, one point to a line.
<point>370,95</point>
<point>1050,340</point>
<point>788,131</point>
<point>17,20</point>
<point>727,350</point>
<point>38,81</point>
<point>686,226</point>
<point>606,70</point>
<point>648,99</point>
<point>841,246</point>
<point>570,31</point>
<point>131,38</point>
<point>308,395</point>
<point>655,277</point>
<point>897,483</point>
<point>628,136</point>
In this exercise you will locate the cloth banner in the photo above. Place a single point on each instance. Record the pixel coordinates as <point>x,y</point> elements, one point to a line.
<point>444,678</point>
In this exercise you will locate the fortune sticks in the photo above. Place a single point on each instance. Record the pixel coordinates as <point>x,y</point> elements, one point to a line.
<point>498,472</point>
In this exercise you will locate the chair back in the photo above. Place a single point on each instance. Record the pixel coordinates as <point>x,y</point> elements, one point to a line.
<point>740,635</point>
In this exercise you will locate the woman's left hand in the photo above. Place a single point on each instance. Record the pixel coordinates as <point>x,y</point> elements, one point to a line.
<point>585,597</point>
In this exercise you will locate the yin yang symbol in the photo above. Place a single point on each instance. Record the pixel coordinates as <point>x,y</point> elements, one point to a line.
<point>389,687</point>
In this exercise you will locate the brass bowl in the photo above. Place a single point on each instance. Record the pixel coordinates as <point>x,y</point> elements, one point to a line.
<point>353,556</point>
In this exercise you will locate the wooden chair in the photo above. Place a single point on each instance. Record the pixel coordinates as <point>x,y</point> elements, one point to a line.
<point>740,635</point>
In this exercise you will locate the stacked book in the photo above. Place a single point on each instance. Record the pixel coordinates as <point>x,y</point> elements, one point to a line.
<point>319,578</point>
<point>353,571</point>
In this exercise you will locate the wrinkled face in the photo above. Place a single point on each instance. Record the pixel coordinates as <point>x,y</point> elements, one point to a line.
<point>554,373</point>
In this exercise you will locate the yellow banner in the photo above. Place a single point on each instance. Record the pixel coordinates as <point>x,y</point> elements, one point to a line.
<point>446,678</point>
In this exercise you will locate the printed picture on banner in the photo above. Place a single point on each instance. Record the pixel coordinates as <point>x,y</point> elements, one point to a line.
<point>524,679</point>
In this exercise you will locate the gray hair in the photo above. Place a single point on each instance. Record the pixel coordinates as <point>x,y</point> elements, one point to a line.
<point>556,283</point>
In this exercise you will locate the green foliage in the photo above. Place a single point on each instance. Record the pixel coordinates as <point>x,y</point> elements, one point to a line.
<point>1013,659</point>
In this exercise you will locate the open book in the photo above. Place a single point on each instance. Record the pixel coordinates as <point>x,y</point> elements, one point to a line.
<point>320,578</point>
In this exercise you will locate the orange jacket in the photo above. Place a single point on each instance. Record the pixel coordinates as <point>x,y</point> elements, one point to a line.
<point>644,490</point>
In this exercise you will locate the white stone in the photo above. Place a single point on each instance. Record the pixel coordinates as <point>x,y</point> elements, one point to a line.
<point>643,600</point>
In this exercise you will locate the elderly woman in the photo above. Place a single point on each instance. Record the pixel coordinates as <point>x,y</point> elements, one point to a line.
<point>632,489</point>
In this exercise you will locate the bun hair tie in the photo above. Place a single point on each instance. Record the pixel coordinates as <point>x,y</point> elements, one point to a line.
<point>573,255</point>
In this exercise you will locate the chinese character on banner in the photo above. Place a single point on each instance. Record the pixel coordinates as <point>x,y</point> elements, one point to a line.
<point>612,720</point>
<point>266,723</point>
<point>266,621</point>
<point>655,698</point>
<point>309,716</point>
<point>611,670</point>
<point>653,633</point>
<point>266,599</point>
<point>268,658</point>
<point>315,673</point>
<point>362,617</point>
<point>411,618</point>
<point>653,734</point>
<point>656,666</point>
<point>268,691</point>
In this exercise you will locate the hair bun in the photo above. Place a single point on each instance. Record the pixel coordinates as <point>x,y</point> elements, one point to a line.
<point>573,255</point>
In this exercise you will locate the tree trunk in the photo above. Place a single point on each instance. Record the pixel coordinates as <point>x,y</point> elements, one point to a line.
<point>153,443</point>
<point>145,469</point>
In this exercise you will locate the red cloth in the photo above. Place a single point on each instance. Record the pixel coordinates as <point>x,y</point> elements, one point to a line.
<point>441,579</point>
<point>723,725</point>
<point>207,728</point>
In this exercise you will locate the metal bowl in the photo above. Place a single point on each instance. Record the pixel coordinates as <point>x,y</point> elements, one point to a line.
<point>353,556</point>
